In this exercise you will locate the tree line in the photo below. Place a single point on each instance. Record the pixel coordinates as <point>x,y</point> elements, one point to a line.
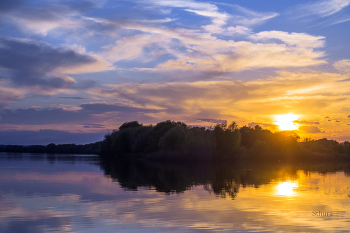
<point>91,148</point>
<point>175,140</point>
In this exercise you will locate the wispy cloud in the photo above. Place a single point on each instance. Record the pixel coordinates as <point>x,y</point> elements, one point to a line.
<point>221,21</point>
<point>247,17</point>
<point>343,65</point>
<point>191,4</point>
<point>331,11</point>
<point>229,56</point>
<point>133,47</point>
<point>293,39</point>
<point>43,18</point>
<point>205,52</point>
<point>323,8</point>
<point>8,95</point>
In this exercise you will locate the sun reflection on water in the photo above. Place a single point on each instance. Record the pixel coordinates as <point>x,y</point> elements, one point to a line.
<point>286,188</point>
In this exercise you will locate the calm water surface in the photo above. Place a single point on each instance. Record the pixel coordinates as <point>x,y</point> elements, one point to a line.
<point>46,193</point>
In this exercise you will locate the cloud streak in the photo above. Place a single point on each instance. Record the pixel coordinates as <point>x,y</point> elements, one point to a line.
<point>32,63</point>
<point>240,16</point>
<point>324,8</point>
<point>46,116</point>
<point>204,52</point>
<point>44,18</point>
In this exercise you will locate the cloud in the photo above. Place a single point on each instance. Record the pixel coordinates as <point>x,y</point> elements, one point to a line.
<point>202,6</point>
<point>229,56</point>
<point>186,49</point>
<point>292,39</point>
<point>32,63</point>
<point>238,30</point>
<point>43,18</point>
<point>33,116</point>
<point>340,20</point>
<point>97,108</point>
<point>97,126</point>
<point>84,84</point>
<point>247,17</point>
<point>220,20</point>
<point>310,129</point>
<point>244,102</point>
<point>133,47</point>
<point>306,122</point>
<point>264,125</point>
<point>200,51</point>
<point>343,65</point>
<point>71,97</point>
<point>213,120</point>
<point>50,116</point>
<point>323,8</point>
<point>9,5</point>
<point>8,95</point>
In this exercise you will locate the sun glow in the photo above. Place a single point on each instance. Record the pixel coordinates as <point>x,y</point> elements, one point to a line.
<point>286,188</point>
<point>285,122</point>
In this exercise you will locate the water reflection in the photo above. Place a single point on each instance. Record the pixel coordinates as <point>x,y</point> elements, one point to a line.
<point>286,188</point>
<point>44,193</point>
<point>222,179</point>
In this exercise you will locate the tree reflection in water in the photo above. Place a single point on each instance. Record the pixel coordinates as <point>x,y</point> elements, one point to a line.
<point>222,179</point>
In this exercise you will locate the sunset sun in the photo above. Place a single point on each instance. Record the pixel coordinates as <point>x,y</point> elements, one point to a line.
<point>285,122</point>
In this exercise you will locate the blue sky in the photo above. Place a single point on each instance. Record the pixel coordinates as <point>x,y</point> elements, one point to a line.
<point>85,67</point>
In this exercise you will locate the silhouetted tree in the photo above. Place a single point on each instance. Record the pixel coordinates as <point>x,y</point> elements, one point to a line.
<point>130,124</point>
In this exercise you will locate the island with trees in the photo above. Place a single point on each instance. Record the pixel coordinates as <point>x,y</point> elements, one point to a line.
<point>171,140</point>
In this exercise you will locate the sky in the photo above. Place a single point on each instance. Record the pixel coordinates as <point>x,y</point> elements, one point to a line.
<point>70,71</point>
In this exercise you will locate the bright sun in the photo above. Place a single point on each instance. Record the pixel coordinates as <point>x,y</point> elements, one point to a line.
<point>285,122</point>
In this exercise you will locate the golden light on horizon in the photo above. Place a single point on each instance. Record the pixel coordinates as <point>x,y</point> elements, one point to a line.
<point>285,122</point>
<point>286,188</point>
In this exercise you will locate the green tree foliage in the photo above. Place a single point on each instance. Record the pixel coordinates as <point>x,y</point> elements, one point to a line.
<point>227,139</point>
<point>105,146</point>
<point>220,142</point>
<point>159,131</point>
<point>173,139</point>
<point>199,143</point>
<point>285,139</point>
<point>251,135</point>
